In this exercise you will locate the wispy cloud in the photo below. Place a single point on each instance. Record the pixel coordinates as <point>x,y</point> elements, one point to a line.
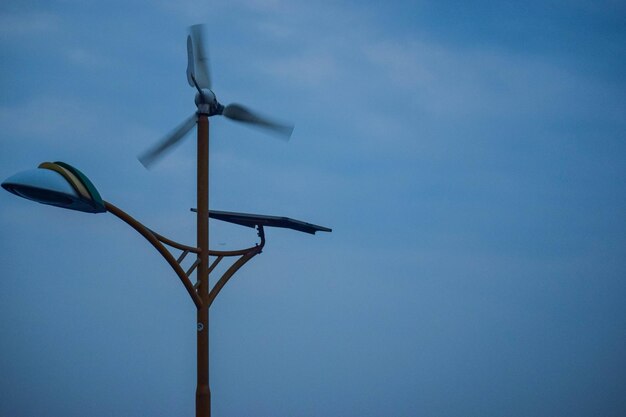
<point>311,68</point>
<point>45,117</point>
<point>483,82</point>
<point>27,24</point>
<point>87,59</point>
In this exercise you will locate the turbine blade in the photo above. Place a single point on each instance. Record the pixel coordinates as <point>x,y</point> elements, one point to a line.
<point>149,157</point>
<point>240,113</point>
<point>200,56</point>
<point>190,62</point>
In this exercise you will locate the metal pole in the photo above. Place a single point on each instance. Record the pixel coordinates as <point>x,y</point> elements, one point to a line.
<point>203,393</point>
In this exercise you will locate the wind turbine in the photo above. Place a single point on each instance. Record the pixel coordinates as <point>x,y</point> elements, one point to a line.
<point>199,76</point>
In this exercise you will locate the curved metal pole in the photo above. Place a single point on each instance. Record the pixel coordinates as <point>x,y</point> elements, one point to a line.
<point>237,252</point>
<point>150,237</point>
<point>175,245</point>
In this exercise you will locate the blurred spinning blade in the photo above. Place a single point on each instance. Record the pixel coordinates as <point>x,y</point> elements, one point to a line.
<point>149,157</point>
<point>240,113</point>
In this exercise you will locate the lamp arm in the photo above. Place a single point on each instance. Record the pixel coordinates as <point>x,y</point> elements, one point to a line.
<point>154,241</point>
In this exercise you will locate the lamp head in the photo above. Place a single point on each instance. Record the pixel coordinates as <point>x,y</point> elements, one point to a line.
<point>57,184</point>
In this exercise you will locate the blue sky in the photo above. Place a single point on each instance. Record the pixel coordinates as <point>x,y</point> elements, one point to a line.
<point>470,158</point>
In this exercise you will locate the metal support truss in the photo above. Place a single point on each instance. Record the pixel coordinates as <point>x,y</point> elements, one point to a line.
<point>159,243</point>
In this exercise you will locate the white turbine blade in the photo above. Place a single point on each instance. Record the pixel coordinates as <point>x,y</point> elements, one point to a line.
<point>149,157</point>
<point>190,62</point>
<point>240,113</point>
<point>200,56</point>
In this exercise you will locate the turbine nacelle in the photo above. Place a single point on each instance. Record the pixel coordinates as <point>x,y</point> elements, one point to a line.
<point>207,102</point>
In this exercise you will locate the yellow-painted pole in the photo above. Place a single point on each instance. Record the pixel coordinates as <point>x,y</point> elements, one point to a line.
<point>203,393</point>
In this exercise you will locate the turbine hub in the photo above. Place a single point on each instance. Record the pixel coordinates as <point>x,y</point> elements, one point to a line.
<point>207,103</point>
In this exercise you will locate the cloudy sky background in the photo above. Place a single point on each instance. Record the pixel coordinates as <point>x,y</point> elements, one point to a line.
<point>470,158</point>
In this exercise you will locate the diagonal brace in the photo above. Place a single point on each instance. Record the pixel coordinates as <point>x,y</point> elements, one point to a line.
<point>246,255</point>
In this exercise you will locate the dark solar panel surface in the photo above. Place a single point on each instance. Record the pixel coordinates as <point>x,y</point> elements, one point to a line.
<point>253,220</point>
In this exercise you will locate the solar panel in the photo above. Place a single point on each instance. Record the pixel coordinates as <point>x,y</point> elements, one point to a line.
<point>253,220</point>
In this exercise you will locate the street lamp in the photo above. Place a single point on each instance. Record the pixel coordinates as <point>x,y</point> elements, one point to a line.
<point>57,184</point>
<point>61,185</point>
